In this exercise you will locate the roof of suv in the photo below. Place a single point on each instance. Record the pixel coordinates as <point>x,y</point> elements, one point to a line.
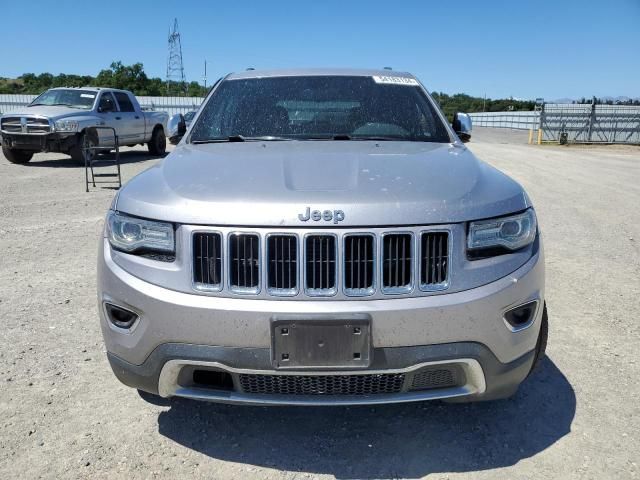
<point>303,72</point>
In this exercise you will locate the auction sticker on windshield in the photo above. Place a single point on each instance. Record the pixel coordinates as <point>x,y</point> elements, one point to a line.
<point>87,95</point>
<point>412,82</point>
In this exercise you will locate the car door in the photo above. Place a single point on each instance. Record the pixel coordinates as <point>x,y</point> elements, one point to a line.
<point>108,112</point>
<point>132,122</point>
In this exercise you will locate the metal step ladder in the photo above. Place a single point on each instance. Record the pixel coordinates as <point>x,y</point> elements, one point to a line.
<point>90,153</point>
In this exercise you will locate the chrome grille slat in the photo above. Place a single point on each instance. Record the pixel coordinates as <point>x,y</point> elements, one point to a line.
<point>244,252</point>
<point>282,264</point>
<point>434,259</point>
<point>359,264</point>
<point>207,264</point>
<point>320,259</point>
<point>397,260</point>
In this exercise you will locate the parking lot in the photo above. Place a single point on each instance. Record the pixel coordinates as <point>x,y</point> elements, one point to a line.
<point>64,415</point>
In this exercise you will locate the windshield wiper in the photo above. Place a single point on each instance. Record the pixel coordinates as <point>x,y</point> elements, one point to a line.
<point>242,138</point>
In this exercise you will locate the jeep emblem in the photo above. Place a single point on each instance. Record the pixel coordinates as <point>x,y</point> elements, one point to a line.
<point>316,215</point>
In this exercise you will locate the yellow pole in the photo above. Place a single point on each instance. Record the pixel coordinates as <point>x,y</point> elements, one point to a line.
<point>540,136</point>
<point>530,136</point>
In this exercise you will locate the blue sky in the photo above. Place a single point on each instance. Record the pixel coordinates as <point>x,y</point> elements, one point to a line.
<point>548,48</point>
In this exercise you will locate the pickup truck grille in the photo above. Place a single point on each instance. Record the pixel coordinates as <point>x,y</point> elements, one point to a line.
<point>33,125</point>
<point>321,264</point>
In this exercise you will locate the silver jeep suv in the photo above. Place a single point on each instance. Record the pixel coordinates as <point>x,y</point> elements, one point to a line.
<point>322,237</point>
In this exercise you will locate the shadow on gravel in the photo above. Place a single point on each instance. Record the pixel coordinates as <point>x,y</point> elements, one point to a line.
<point>133,156</point>
<point>410,440</point>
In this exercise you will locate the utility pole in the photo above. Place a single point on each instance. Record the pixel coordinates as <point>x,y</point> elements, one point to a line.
<point>204,78</point>
<point>484,103</point>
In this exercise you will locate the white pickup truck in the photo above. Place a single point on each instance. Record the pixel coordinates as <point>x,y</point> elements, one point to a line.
<point>59,120</point>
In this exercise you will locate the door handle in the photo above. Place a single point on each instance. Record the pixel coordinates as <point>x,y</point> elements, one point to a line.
<point>117,118</point>
<point>137,116</point>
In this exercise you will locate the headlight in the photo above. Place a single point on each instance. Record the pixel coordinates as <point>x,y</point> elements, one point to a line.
<point>66,126</point>
<point>131,234</point>
<point>513,232</point>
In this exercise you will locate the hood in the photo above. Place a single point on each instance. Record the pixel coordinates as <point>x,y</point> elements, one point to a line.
<point>49,111</point>
<point>273,184</point>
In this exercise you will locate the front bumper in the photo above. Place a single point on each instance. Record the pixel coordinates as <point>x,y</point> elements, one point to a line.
<point>464,330</point>
<point>50,142</point>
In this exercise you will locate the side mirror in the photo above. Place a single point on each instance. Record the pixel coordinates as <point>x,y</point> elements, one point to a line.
<point>462,126</point>
<point>176,127</point>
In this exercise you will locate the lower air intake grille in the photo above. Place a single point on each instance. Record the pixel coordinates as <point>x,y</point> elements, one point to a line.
<point>207,260</point>
<point>320,255</point>
<point>282,264</point>
<point>428,378</point>
<point>396,262</point>
<point>244,262</point>
<point>322,384</point>
<point>358,264</point>
<point>434,260</point>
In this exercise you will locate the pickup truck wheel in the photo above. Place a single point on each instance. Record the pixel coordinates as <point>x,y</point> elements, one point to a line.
<point>17,156</point>
<point>541,344</point>
<point>76,151</point>
<point>158,143</point>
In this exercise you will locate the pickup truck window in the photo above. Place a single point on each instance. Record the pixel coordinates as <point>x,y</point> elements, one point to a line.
<point>124,102</point>
<point>319,107</point>
<point>73,98</point>
<point>107,103</point>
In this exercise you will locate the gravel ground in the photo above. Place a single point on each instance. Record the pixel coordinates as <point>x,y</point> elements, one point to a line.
<point>64,415</point>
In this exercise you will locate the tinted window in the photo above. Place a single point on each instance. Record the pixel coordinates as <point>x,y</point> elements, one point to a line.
<point>107,104</point>
<point>124,101</point>
<point>319,107</point>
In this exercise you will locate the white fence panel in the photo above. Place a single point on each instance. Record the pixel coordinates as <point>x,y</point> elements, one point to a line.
<point>171,105</point>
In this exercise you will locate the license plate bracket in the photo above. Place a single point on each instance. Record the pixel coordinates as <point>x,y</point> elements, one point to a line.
<point>321,343</point>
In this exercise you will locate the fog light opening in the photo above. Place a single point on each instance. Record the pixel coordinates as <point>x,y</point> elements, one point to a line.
<point>215,379</point>
<point>521,316</point>
<point>119,316</point>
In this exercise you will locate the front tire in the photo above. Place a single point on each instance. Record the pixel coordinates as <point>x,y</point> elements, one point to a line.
<point>17,156</point>
<point>76,151</point>
<point>158,143</point>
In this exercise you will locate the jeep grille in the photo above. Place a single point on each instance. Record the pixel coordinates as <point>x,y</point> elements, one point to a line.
<point>321,264</point>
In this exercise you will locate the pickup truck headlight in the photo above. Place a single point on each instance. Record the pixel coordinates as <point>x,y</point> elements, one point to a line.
<point>131,234</point>
<point>66,126</point>
<point>512,232</point>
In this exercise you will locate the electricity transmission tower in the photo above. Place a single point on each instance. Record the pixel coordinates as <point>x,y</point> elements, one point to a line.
<point>175,68</point>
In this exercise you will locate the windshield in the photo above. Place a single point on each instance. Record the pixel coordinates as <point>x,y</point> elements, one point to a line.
<point>320,107</point>
<point>67,97</point>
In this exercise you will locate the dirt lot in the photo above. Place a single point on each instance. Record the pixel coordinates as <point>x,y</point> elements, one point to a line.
<point>64,415</point>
